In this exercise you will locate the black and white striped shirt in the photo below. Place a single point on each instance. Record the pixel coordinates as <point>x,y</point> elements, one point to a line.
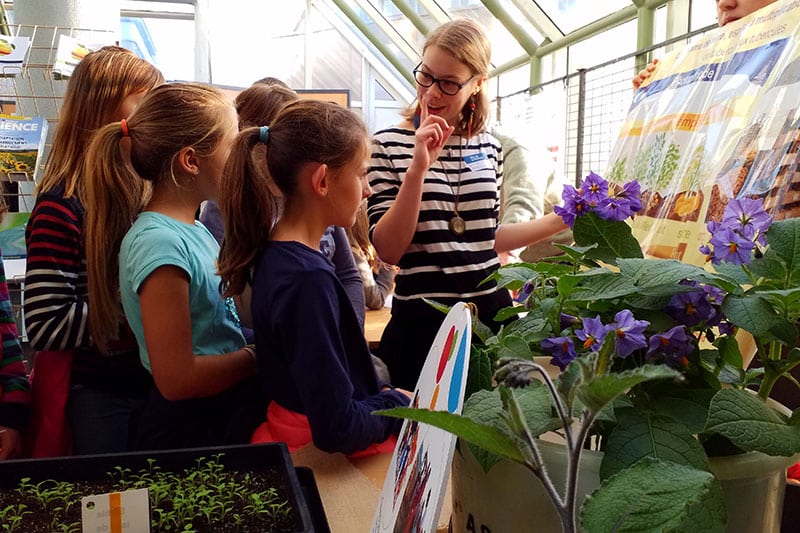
<point>439,264</point>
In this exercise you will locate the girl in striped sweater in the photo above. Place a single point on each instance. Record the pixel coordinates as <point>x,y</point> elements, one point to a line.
<point>107,384</point>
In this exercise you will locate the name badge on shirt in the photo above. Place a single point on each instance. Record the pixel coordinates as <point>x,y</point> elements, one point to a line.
<point>480,156</point>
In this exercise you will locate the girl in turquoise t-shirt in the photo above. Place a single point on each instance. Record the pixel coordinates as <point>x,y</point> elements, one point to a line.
<point>176,143</point>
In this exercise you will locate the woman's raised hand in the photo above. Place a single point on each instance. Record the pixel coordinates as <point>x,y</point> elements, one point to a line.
<point>431,136</point>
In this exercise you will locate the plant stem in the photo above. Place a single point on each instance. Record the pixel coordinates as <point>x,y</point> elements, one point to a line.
<point>573,463</point>
<point>560,408</point>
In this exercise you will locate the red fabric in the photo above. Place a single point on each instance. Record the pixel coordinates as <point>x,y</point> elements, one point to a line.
<point>793,473</point>
<point>50,380</point>
<point>283,425</point>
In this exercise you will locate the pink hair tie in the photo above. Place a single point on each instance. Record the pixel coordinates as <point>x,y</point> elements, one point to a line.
<point>124,125</point>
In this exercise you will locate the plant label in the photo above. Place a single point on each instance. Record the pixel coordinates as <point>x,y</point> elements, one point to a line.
<point>116,512</point>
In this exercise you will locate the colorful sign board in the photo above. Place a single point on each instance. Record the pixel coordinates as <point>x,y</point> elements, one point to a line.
<point>415,484</point>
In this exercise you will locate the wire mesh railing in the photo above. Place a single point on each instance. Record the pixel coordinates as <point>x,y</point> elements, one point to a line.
<point>578,116</point>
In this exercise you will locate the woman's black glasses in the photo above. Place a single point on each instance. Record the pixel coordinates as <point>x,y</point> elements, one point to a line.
<point>448,87</point>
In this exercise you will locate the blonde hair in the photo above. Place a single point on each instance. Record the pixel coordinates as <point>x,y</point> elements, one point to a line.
<point>99,85</point>
<point>466,40</point>
<point>171,117</point>
<point>304,131</point>
<point>358,235</point>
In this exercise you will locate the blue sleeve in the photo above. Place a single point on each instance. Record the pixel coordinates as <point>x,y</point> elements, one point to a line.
<point>347,271</point>
<point>211,217</point>
<point>154,247</point>
<point>338,412</point>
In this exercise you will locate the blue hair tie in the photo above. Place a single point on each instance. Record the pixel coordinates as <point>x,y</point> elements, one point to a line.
<point>263,134</point>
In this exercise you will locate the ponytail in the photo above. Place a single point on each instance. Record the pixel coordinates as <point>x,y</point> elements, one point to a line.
<point>115,196</point>
<point>249,207</point>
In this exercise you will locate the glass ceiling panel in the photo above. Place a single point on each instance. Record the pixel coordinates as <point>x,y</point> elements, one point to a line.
<point>505,46</point>
<point>163,7</point>
<point>569,15</point>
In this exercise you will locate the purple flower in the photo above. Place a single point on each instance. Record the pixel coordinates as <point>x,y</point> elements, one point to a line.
<point>690,308</point>
<point>568,321</point>
<point>744,223</point>
<point>527,290</point>
<point>574,205</point>
<point>675,344</point>
<point>613,208</point>
<point>594,189</point>
<point>593,333</point>
<point>562,349</point>
<point>747,215</point>
<point>630,333</point>
<point>730,246</point>
<point>631,191</point>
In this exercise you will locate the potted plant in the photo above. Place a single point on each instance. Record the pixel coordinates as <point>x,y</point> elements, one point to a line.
<point>653,399</point>
<point>227,488</point>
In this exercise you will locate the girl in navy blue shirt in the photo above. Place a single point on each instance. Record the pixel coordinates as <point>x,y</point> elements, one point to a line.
<point>314,362</point>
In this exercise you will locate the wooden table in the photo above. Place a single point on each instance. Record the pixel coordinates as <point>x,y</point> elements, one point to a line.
<point>350,489</point>
<point>374,322</point>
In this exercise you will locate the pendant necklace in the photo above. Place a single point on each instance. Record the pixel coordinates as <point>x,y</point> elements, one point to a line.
<point>456,224</point>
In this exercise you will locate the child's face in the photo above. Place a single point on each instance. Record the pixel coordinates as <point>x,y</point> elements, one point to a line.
<point>211,166</point>
<point>350,188</point>
<point>129,104</point>
<point>730,10</point>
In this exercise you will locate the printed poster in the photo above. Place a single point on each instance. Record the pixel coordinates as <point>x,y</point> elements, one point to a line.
<point>22,141</point>
<point>70,51</point>
<point>415,483</point>
<point>12,53</point>
<point>719,119</point>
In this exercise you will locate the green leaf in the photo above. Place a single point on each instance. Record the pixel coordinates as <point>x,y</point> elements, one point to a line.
<point>486,408</point>
<point>600,390</point>
<point>567,384</point>
<point>481,330</point>
<point>532,328</point>
<point>709,514</point>
<point>515,347</point>
<point>512,276</point>
<point>485,436</point>
<point>652,496</point>
<point>479,376</point>
<point>687,406</point>
<point>614,239</point>
<point>508,312</point>
<point>575,253</point>
<point>751,313</point>
<point>783,237</point>
<point>638,435</point>
<point>747,421</point>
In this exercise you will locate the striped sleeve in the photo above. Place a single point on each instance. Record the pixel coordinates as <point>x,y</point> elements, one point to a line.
<point>463,183</point>
<point>56,295</point>
<point>14,389</point>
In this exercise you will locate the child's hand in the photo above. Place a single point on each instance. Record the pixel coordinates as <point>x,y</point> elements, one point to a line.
<point>10,443</point>
<point>644,74</point>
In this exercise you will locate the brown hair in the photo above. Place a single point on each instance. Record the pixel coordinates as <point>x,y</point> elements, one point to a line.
<point>170,118</point>
<point>304,131</point>
<point>358,235</point>
<point>98,86</point>
<point>258,105</point>
<point>466,40</point>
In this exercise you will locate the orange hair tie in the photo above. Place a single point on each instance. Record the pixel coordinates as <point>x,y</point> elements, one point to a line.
<point>124,125</point>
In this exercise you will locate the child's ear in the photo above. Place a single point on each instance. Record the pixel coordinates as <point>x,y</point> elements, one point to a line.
<point>188,161</point>
<point>320,180</point>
